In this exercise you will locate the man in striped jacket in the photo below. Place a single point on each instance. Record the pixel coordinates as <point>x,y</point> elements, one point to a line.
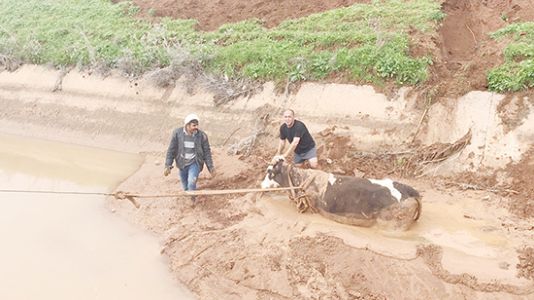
<point>190,149</point>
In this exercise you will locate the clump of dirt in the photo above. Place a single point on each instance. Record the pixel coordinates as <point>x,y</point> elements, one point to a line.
<point>522,175</point>
<point>319,269</point>
<point>525,267</point>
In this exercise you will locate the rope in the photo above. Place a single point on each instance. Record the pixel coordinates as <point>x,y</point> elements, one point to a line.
<point>119,195</point>
<point>54,192</point>
<point>184,193</point>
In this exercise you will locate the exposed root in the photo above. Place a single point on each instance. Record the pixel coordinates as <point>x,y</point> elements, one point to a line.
<point>246,145</point>
<point>474,187</point>
<point>434,154</point>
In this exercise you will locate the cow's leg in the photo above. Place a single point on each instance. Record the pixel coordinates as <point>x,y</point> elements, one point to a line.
<point>400,215</point>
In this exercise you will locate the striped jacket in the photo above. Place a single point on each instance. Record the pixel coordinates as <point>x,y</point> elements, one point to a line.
<point>202,150</point>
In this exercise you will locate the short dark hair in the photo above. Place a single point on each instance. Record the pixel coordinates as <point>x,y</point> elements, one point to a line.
<point>289,109</point>
<point>194,121</point>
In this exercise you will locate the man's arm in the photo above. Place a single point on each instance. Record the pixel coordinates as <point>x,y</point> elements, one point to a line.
<point>171,151</point>
<point>281,145</point>
<point>292,146</point>
<point>207,153</point>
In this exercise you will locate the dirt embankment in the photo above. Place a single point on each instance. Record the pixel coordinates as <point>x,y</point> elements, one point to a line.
<point>466,243</point>
<point>462,52</point>
<point>465,51</point>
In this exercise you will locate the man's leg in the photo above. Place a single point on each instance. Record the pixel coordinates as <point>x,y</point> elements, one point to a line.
<point>194,170</point>
<point>310,156</point>
<point>184,177</point>
<point>313,163</point>
<point>298,161</point>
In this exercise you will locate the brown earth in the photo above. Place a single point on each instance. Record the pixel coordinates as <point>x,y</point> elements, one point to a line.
<point>259,247</point>
<point>211,14</point>
<point>463,51</point>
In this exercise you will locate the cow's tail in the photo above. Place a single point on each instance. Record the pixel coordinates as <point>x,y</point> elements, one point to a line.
<point>418,209</point>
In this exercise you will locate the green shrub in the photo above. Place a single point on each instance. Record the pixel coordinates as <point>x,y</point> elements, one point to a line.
<point>517,71</point>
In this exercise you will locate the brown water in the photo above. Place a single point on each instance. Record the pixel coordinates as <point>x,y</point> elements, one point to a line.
<point>57,246</point>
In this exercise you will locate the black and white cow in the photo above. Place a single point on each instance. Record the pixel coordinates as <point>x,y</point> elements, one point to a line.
<point>351,200</point>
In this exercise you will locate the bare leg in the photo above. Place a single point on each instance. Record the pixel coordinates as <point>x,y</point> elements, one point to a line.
<point>313,163</point>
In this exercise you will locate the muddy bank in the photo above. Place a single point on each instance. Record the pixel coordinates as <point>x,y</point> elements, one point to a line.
<point>88,109</point>
<point>259,247</point>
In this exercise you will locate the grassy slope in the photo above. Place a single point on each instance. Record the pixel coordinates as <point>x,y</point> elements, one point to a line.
<point>517,72</point>
<point>361,43</point>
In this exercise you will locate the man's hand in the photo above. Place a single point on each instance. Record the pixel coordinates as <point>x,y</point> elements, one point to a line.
<point>167,171</point>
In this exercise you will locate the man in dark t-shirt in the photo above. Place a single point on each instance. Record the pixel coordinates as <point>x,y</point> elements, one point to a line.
<point>300,141</point>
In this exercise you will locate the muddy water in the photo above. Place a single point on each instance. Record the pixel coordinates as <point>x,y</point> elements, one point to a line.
<point>61,246</point>
<point>472,245</point>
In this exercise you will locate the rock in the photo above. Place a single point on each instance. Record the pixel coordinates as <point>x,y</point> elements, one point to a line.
<point>504,265</point>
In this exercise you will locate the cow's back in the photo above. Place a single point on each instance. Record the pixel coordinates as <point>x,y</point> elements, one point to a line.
<point>355,196</point>
<point>358,201</point>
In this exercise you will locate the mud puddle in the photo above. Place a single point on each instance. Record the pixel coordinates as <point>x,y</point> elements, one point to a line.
<point>58,246</point>
<point>468,233</point>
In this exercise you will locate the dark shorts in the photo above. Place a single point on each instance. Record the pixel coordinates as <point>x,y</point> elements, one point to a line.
<point>301,157</point>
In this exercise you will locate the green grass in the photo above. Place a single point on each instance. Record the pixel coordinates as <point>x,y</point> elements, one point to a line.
<point>363,42</point>
<point>517,71</point>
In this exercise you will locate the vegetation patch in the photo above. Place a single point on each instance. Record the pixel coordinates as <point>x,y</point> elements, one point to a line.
<point>363,43</point>
<point>517,71</point>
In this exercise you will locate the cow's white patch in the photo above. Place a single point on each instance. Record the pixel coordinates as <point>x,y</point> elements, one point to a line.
<point>389,184</point>
<point>331,179</point>
<point>268,183</point>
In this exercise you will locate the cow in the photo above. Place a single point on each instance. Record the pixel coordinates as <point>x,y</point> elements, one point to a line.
<point>350,200</point>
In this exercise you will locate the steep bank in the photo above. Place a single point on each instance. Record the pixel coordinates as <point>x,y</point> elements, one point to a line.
<point>252,247</point>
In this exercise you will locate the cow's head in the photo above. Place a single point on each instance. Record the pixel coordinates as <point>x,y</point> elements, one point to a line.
<point>276,175</point>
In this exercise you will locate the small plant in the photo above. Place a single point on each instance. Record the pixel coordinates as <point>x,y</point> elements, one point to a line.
<point>517,71</point>
<point>297,74</point>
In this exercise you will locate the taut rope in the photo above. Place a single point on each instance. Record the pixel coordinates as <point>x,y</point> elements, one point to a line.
<point>131,197</point>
